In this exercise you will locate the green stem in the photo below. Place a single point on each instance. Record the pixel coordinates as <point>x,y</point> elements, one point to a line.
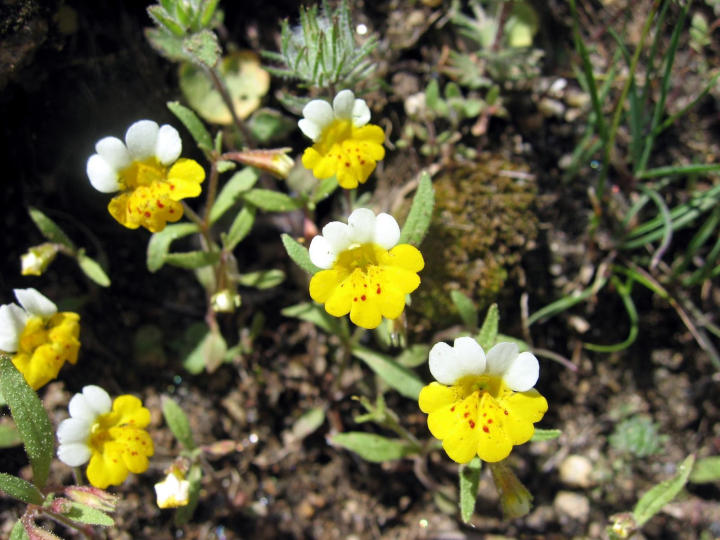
<point>222,89</point>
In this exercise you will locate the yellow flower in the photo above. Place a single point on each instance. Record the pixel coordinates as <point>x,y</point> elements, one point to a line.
<point>481,405</point>
<point>345,146</point>
<point>41,339</point>
<point>364,272</point>
<point>147,172</point>
<point>110,435</point>
<point>174,491</point>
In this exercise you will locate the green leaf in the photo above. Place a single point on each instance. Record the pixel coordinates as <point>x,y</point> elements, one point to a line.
<point>208,354</point>
<point>653,501</point>
<point>239,183</point>
<point>406,382</point>
<point>308,422</point>
<point>545,435</point>
<point>433,100</point>
<point>159,244</point>
<point>418,220</point>
<point>262,279</point>
<point>324,189</point>
<point>466,309</point>
<point>84,514</point>
<point>20,489</point>
<point>31,419</point>
<point>317,315</point>
<point>184,513</point>
<point>240,227</point>
<point>299,254</point>
<point>50,229</point>
<point>18,531</point>
<point>375,448</point>
<point>166,44</point>
<point>193,259</point>
<point>413,356</point>
<point>271,201</point>
<point>268,125</point>
<point>92,269</point>
<point>706,470</point>
<point>203,47</point>
<point>193,124</point>
<point>469,476</point>
<point>489,331</point>
<point>9,435</point>
<point>162,18</point>
<point>178,422</point>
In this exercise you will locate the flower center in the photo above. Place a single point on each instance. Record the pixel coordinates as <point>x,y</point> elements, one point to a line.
<point>335,133</point>
<point>142,173</point>
<point>33,335</point>
<point>481,384</point>
<point>361,257</point>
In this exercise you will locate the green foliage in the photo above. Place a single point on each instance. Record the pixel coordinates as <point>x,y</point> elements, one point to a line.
<point>545,435</point>
<point>178,422</point>
<point>18,532</point>
<point>92,269</point>
<point>489,331</point>
<point>50,229</point>
<point>706,470</point>
<point>31,419</point>
<point>374,448</point>
<point>208,354</point>
<point>193,124</point>
<point>82,513</point>
<point>232,191</point>
<point>192,259</point>
<point>406,382</point>
<point>240,228</point>
<point>20,489</point>
<point>271,201</point>
<point>469,476</point>
<point>466,309</point>
<point>9,435</point>
<point>322,52</point>
<point>185,513</point>
<point>658,496</point>
<point>317,315</point>
<point>159,245</point>
<point>418,220</point>
<point>262,279</point>
<point>637,435</point>
<point>299,254</point>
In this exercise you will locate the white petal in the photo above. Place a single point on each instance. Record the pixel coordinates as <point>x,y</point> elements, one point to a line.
<point>310,129</point>
<point>522,374</point>
<point>35,303</point>
<point>102,175</point>
<point>360,113</point>
<point>470,356</point>
<point>168,145</point>
<point>338,235</point>
<point>74,454</point>
<point>448,364</point>
<point>321,253</point>
<point>387,231</point>
<point>97,399</point>
<point>114,152</point>
<point>141,139</point>
<point>343,104</point>
<point>361,224</point>
<point>319,112</point>
<point>443,363</point>
<point>500,357</point>
<point>73,430</point>
<point>12,323</point>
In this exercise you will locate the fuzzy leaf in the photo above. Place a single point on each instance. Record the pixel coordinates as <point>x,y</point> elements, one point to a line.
<point>653,501</point>
<point>178,422</point>
<point>263,279</point>
<point>193,124</point>
<point>20,489</point>
<point>299,254</point>
<point>203,47</point>
<point>418,220</point>
<point>240,227</point>
<point>9,435</point>
<point>324,189</point>
<point>466,309</point>
<point>413,356</point>
<point>489,331</point>
<point>159,244</point>
<point>193,259</point>
<point>271,201</point>
<point>375,448</point>
<point>231,192</point>
<point>317,315</point>
<point>545,435</point>
<point>166,44</point>
<point>163,18</point>
<point>92,269</point>
<point>406,382</point>
<point>18,532</point>
<point>50,229</point>
<point>30,418</point>
<point>469,476</point>
<point>81,513</point>
<point>308,422</point>
<point>706,470</point>
<point>208,354</point>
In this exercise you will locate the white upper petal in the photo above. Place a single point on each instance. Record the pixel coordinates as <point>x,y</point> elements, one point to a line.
<point>387,231</point>
<point>141,139</point>
<point>114,152</point>
<point>35,303</point>
<point>522,374</point>
<point>448,364</point>
<point>343,104</point>
<point>97,399</point>
<point>360,113</point>
<point>320,113</point>
<point>12,323</point>
<point>310,128</point>
<point>321,253</point>
<point>74,430</point>
<point>338,235</point>
<point>500,357</point>
<point>470,356</point>
<point>74,454</point>
<point>168,145</point>
<point>361,225</point>
<point>102,175</point>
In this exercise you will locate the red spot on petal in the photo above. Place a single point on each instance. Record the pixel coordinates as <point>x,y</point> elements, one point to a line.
<point>159,204</point>
<point>171,211</point>
<point>147,214</point>
<point>363,298</point>
<point>378,290</point>
<point>172,186</point>
<point>486,429</point>
<point>355,299</point>
<point>365,285</point>
<point>472,424</point>
<point>489,420</point>
<point>505,411</point>
<point>347,163</point>
<point>362,162</point>
<point>452,409</point>
<point>466,414</point>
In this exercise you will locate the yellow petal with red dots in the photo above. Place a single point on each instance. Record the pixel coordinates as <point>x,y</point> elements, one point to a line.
<point>118,207</point>
<point>436,395</point>
<point>107,467</point>
<point>184,179</point>
<point>365,312</point>
<point>130,411</point>
<point>524,409</point>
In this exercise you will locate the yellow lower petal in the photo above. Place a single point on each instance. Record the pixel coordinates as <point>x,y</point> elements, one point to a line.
<point>184,179</point>
<point>436,395</point>
<point>107,468</point>
<point>524,409</point>
<point>322,285</point>
<point>407,257</point>
<point>129,411</point>
<point>118,208</point>
<point>461,444</point>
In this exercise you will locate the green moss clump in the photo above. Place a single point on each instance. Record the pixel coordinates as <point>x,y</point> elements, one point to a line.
<point>482,224</point>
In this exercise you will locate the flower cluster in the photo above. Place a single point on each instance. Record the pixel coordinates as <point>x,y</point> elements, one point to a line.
<point>365,272</point>
<point>110,434</point>
<point>147,172</point>
<point>40,339</point>
<point>482,404</point>
<point>345,146</point>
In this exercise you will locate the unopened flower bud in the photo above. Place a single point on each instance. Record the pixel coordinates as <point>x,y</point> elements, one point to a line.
<point>515,499</point>
<point>225,301</point>
<point>92,497</point>
<point>37,259</point>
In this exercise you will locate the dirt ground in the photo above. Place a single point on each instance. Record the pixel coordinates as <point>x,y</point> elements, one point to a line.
<point>72,72</point>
